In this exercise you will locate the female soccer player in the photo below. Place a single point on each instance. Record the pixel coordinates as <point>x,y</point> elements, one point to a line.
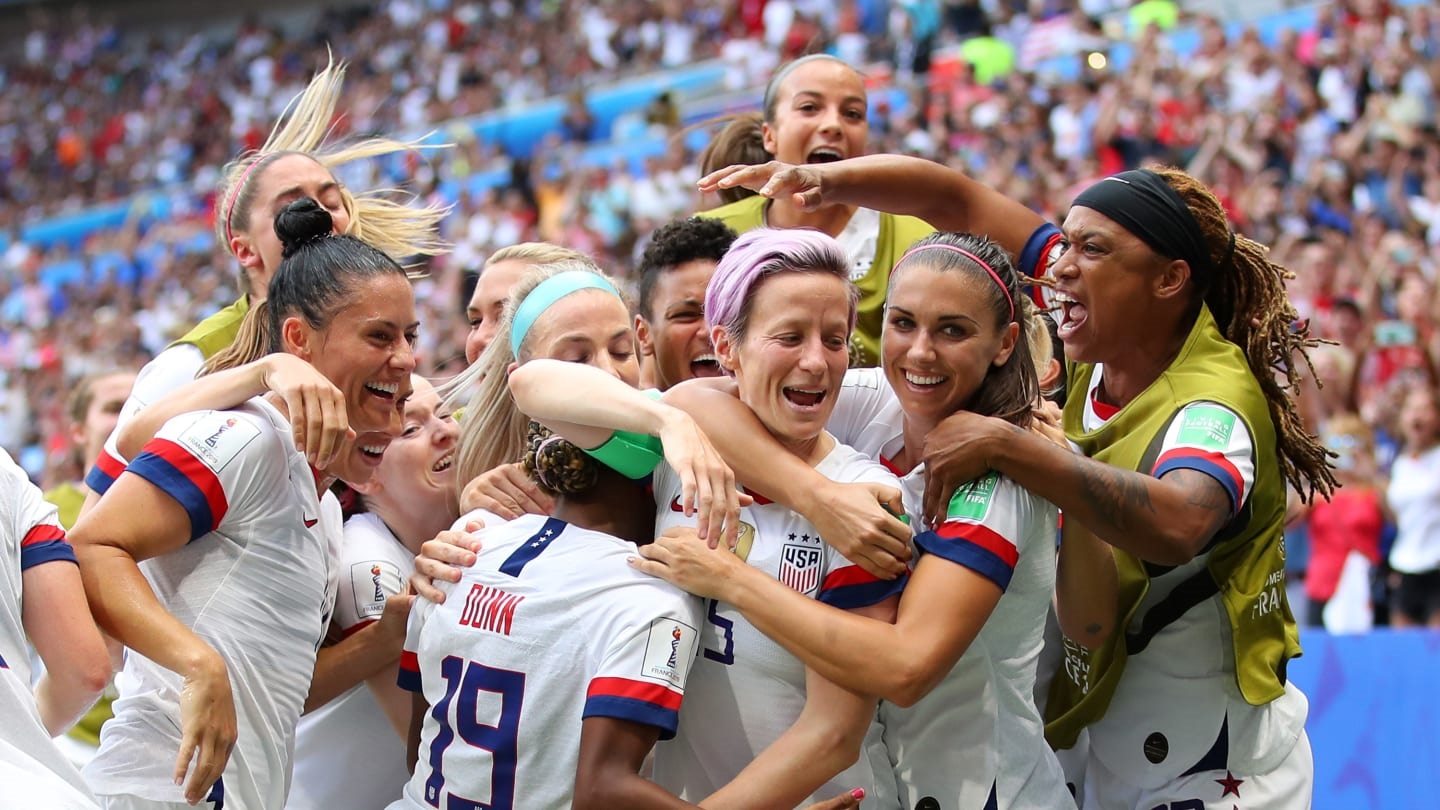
<point>567,311</point>
<point>294,162</point>
<point>815,112</point>
<point>410,499</point>
<point>958,666</point>
<point>226,518</point>
<point>1175,326</point>
<point>43,603</point>
<point>782,310</point>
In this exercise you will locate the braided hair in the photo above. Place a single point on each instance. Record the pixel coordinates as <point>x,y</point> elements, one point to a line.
<point>1246,295</point>
<point>558,466</point>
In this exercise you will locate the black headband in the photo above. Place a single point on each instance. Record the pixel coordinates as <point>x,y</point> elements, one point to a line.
<point>1145,205</point>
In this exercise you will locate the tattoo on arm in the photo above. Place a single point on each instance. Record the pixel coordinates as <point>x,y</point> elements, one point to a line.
<point>1115,495</point>
<point>1205,493</point>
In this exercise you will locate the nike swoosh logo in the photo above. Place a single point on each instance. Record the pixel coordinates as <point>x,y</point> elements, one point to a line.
<point>310,522</point>
<point>675,505</point>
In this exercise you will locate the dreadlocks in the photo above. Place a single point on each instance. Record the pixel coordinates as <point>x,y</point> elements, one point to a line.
<point>1246,295</point>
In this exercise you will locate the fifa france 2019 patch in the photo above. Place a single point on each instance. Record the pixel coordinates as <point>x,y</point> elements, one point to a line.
<point>371,583</point>
<point>972,501</point>
<point>217,438</point>
<point>1207,427</point>
<point>669,651</point>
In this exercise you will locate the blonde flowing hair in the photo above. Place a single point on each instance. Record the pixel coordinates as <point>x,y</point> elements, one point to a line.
<point>493,430</point>
<point>378,217</point>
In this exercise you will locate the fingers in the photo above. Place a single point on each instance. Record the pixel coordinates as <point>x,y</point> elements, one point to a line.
<point>424,586</point>
<point>738,175</point>
<point>851,799</point>
<point>807,200</point>
<point>209,767</point>
<point>650,567</point>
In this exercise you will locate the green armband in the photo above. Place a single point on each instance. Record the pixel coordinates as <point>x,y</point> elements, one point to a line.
<point>633,455</point>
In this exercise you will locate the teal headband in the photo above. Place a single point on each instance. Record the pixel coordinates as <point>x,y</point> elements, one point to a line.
<point>546,293</point>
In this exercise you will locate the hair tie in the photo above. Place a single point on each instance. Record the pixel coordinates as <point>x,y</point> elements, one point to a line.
<point>972,257</point>
<point>234,196</point>
<point>1229,250</point>
<point>546,293</point>
<point>539,451</point>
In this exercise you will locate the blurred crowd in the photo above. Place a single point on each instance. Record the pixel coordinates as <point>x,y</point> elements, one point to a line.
<point>1323,146</point>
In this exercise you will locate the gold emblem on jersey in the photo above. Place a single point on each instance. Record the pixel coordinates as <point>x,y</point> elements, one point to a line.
<point>744,541</point>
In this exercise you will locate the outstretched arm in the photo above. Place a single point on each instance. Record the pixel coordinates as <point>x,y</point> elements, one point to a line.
<point>1165,520</point>
<point>857,519</point>
<point>136,521</point>
<point>897,184</point>
<point>317,408</point>
<point>942,610</point>
<point>546,390</point>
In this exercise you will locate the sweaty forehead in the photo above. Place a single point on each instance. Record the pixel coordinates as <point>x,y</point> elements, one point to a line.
<point>823,77</point>
<point>289,172</point>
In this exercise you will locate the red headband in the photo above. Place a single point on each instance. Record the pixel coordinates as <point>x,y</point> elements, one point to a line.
<point>972,257</point>
<point>235,196</point>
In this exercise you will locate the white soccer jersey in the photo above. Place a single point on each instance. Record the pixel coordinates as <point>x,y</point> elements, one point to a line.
<point>746,689</point>
<point>1181,689</point>
<point>347,753</point>
<point>979,729</point>
<point>170,369</point>
<point>33,772</point>
<point>550,626</point>
<point>254,583</point>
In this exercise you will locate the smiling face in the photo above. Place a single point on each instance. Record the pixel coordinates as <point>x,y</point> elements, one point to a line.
<point>367,351</point>
<point>674,332</point>
<point>487,304</point>
<point>282,181</point>
<point>1420,419</point>
<point>941,337</point>
<point>416,477</point>
<point>819,115</point>
<point>1105,281</point>
<point>791,361</point>
<point>590,327</point>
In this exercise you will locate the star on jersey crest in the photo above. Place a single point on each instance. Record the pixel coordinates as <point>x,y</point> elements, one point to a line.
<point>1230,784</point>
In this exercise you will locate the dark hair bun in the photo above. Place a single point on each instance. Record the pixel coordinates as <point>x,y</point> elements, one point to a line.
<point>300,223</point>
<point>556,464</point>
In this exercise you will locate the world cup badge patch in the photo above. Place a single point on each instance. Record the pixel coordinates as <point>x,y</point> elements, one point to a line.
<point>800,567</point>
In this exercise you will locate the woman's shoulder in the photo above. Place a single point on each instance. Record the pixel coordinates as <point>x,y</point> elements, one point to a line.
<point>742,215</point>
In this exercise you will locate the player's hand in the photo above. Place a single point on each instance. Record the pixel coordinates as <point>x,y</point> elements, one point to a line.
<point>317,408</point>
<point>858,520</point>
<point>1047,423</point>
<point>207,728</point>
<point>683,559</point>
<point>442,559</point>
<point>707,484</point>
<point>804,184</point>
<point>394,618</point>
<point>955,454</point>
<point>851,799</point>
<point>507,491</point>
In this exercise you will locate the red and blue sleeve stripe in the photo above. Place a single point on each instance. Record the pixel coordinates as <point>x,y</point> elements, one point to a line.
<point>639,702</point>
<point>977,547</point>
<point>185,478</point>
<point>1037,248</point>
<point>107,468</point>
<point>853,587</point>
<point>409,677</point>
<point>45,542</point>
<point>1213,464</point>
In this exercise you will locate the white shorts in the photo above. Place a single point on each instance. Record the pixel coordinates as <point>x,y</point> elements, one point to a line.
<point>1287,787</point>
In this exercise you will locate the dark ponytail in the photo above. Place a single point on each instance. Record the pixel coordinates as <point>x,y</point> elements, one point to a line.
<point>314,280</point>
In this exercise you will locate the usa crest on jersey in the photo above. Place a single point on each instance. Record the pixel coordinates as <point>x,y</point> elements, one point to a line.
<point>800,567</point>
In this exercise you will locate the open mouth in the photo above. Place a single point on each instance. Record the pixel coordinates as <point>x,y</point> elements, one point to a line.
<point>385,391</point>
<point>444,464</point>
<point>824,154</point>
<point>373,452</point>
<point>923,381</point>
<point>804,397</point>
<point>1073,314</point>
<point>706,365</point>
